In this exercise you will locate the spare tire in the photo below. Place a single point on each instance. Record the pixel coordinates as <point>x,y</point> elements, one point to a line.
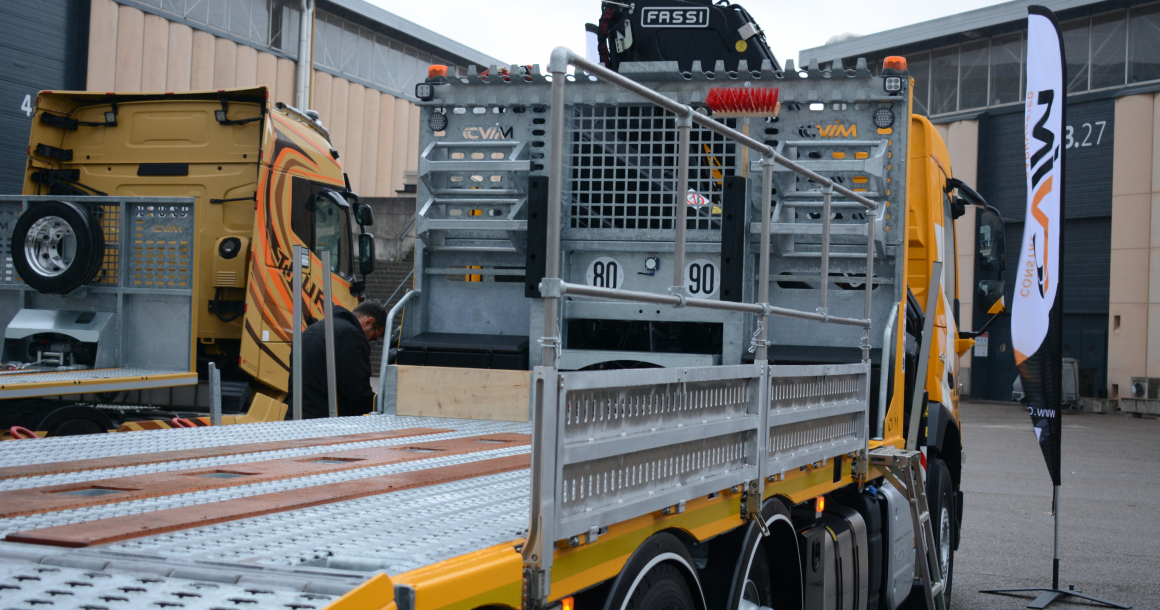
<point>57,247</point>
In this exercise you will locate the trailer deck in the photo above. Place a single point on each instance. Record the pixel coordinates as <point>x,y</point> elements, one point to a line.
<point>274,514</point>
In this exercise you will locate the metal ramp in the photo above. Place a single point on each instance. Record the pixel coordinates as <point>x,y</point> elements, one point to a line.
<point>902,469</point>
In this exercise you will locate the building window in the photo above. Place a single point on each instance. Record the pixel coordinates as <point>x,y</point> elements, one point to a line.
<point>1007,69</point>
<point>263,23</point>
<point>1109,39</point>
<point>361,54</point>
<point>1144,44</point>
<point>974,58</point>
<point>919,67</point>
<point>944,80</point>
<point>1077,41</point>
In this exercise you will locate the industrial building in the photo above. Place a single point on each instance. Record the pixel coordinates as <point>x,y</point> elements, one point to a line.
<point>366,62</point>
<point>969,73</point>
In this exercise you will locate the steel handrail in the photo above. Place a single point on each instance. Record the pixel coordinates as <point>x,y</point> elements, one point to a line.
<point>380,400</point>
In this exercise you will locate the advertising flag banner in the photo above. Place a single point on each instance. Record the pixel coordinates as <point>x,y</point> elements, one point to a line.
<point>1036,311</point>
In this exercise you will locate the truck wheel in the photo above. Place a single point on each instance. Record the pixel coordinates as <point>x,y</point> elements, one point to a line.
<point>941,497</point>
<point>56,247</point>
<point>758,591</point>
<point>663,588</point>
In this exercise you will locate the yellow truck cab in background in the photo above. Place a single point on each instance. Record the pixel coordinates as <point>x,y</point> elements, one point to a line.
<point>263,178</point>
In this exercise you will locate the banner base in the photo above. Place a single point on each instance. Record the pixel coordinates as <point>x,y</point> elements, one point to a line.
<point>1049,595</point>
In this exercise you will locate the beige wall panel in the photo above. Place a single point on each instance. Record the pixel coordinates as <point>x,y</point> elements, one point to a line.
<point>1154,239</point>
<point>355,113</point>
<point>370,150</point>
<point>102,64</point>
<point>1154,280</point>
<point>180,58</point>
<point>201,69</point>
<point>1155,143</point>
<point>1131,221</point>
<point>1132,168</point>
<point>246,72</point>
<point>287,76</point>
<point>339,96</point>
<point>1153,340</point>
<point>402,119</point>
<point>1127,347</point>
<point>413,138</point>
<point>130,37</point>
<point>320,96</point>
<point>155,54</point>
<point>384,180</point>
<point>266,73</point>
<point>1128,281</point>
<point>225,63</point>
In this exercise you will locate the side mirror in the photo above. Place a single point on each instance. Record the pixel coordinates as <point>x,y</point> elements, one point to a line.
<point>364,215</point>
<point>968,194</point>
<point>366,253</point>
<point>990,295</point>
<point>990,242</point>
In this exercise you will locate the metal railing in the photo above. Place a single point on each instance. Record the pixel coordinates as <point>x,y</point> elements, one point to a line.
<point>589,456</point>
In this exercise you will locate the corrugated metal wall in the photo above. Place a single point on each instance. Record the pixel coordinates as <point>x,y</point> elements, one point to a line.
<point>376,134</point>
<point>42,46</point>
<point>1088,146</point>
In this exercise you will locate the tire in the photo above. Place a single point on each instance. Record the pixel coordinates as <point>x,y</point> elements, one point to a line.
<point>941,502</point>
<point>57,247</point>
<point>758,588</point>
<point>663,588</point>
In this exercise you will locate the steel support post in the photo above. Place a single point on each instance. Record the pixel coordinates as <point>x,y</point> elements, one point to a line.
<point>538,549</point>
<point>680,202</point>
<point>381,399</point>
<point>824,282</point>
<point>761,340</point>
<point>328,320</point>
<point>215,395</point>
<point>296,344</point>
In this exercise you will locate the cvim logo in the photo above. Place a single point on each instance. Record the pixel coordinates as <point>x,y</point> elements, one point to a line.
<point>836,130</point>
<point>499,132</point>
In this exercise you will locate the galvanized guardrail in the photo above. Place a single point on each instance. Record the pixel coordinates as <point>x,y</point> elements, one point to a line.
<point>613,445</point>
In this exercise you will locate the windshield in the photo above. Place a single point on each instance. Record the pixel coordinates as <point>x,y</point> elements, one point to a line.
<point>332,230</point>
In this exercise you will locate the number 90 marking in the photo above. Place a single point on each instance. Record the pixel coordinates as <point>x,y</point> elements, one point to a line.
<point>701,278</point>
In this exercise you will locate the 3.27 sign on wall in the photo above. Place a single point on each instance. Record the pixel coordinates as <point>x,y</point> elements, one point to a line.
<point>1084,135</point>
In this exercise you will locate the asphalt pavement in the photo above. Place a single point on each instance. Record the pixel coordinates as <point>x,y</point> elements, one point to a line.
<point>1109,546</point>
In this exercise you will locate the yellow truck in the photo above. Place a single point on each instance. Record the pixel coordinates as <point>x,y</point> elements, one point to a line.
<point>789,438</point>
<point>153,238</point>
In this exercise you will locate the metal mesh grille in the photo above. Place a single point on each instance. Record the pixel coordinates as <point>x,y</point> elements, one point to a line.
<point>161,246</point>
<point>624,168</point>
<point>109,217</point>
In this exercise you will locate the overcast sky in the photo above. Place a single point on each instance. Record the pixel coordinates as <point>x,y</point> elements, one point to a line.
<point>526,31</point>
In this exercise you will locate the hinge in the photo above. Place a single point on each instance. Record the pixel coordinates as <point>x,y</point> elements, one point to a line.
<point>222,115</point>
<point>751,506</point>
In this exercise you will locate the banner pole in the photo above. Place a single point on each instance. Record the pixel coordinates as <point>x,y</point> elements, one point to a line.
<point>1055,561</point>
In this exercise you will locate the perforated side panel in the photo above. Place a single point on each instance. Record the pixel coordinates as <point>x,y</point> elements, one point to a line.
<point>161,247</point>
<point>623,168</point>
<point>9,213</point>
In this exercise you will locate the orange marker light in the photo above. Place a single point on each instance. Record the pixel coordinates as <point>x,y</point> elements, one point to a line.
<point>568,603</point>
<point>821,501</point>
<point>436,70</point>
<point>895,62</point>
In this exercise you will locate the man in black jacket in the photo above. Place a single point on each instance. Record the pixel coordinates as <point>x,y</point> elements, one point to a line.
<point>353,334</point>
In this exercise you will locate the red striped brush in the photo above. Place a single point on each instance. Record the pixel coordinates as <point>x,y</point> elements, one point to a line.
<point>743,101</point>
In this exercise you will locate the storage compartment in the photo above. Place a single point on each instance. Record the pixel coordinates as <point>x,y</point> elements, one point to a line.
<point>508,352</point>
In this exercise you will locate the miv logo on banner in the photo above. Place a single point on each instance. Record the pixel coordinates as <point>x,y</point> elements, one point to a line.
<point>1037,278</point>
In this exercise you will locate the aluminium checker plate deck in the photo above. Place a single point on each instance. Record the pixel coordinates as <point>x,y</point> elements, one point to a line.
<point>270,515</point>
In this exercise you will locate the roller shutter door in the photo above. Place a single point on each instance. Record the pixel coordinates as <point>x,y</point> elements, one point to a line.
<point>1087,240</point>
<point>43,45</point>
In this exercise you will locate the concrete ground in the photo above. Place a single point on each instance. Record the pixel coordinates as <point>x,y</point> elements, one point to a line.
<point>1109,545</point>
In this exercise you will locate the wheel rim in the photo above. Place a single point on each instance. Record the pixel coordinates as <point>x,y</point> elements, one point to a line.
<point>50,246</point>
<point>750,593</point>
<point>944,542</point>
